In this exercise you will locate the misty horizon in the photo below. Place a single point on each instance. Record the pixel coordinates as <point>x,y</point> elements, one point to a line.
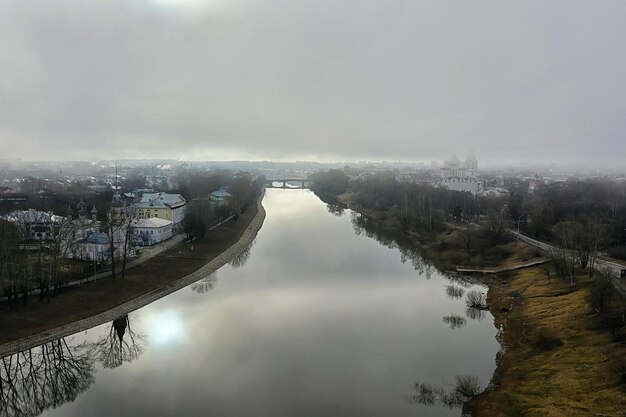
<point>326,81</point>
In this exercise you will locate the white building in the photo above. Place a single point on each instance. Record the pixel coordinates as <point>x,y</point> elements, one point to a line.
<point>460,176</point>
<point>148,232</point>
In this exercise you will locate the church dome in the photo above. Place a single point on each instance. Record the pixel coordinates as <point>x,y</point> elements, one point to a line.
<point>453,162</point>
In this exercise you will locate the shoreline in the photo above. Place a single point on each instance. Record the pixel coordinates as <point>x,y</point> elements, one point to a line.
<point>246,239</point>
<point>554,354</point>
<point>557,356</point>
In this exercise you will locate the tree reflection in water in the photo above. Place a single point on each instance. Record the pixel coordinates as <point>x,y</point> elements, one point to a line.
<point>204,285</point>
<point>240,259</point>
<point>363,226</point>
<point>465,387</point>
<point>44,377</point>
<point>455,321</point>
<point>475,313</point>
<point>454,291</point>
<point>121,344</point>
<point>335,209</point>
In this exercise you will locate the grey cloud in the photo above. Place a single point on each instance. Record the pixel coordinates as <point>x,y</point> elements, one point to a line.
<point>325,79</point>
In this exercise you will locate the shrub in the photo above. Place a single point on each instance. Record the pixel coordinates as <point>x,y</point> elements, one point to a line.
<point>476,299</point>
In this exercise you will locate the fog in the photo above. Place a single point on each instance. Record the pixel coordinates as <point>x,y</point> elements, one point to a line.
<point>317,80</point>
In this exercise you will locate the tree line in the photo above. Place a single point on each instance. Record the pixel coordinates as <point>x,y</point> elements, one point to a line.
<point>24,273</point>
<point>582,217</point>
<point>201,214</point>
<point>409,206</point>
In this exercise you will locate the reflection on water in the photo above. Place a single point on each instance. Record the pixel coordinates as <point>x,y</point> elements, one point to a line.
<point>44,377</point>
<point>242,257</point>
<point>475,313</point>
<point>326,315</point>
<point>454,291</point>
<point>335,209</point>
<point>204,285</point>
<point>121,344</point>
<point>465,387</point>
<point>454,321</point>
<point>394,240</point>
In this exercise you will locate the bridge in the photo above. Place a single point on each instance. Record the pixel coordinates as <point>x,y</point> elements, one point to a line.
<point>285,183</point>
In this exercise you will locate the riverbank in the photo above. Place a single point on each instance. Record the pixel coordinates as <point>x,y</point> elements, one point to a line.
<point>104,300</point>
<point>455,244</point>
<point>558,358</point>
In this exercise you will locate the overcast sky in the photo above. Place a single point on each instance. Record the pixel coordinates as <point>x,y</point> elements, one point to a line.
<point>316,79</point>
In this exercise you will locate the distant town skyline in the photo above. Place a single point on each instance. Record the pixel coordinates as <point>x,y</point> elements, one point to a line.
<point>519,83</point>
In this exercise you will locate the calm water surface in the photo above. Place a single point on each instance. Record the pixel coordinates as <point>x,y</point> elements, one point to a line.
<point>317,318</point>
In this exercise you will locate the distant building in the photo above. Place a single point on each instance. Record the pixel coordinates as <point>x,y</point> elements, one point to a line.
<point>147,232</point>
<point>156,181</point>
<point>162,206</point>
<point>99,189</point>
<point>460,176</point>
<point>221,196</point>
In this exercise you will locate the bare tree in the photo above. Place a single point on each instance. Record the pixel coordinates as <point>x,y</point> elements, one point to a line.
<point>10,260</point>
<point>197,218</point>
<point>128,229</point>
<point>113,228</point>
<point>595,231</point>
<point>565,254</point>
<point>61,246</point>
<point>496,221</point>
<point>241,192</point>
<point>466,232</point>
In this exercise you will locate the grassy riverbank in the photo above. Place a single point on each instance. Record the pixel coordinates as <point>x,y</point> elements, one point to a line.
<point>558,358</point>
<point>94,298</point>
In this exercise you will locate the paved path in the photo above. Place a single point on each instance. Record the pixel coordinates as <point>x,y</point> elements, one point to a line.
<point>601,263</point>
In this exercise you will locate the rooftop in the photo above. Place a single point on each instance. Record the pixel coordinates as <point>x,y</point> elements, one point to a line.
<point>152,222</point>
<point>159,200</point>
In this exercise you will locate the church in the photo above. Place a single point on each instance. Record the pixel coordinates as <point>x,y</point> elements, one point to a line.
<point>460,176</point>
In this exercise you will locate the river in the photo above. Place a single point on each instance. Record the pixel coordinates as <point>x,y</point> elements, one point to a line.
<point>320,317</point>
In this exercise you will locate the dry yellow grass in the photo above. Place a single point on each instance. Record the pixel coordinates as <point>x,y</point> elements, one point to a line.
<point>577,377</point>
